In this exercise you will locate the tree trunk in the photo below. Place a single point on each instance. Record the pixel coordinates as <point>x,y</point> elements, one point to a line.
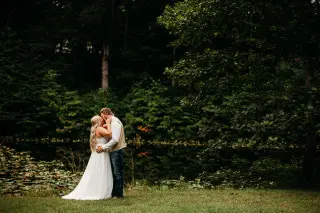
<point>105,66</point>
<point>310,145</point>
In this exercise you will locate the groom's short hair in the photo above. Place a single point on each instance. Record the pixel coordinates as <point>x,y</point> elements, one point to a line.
<point>106,111</point>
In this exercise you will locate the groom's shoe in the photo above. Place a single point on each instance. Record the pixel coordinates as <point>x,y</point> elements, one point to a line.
<point>117,197</point>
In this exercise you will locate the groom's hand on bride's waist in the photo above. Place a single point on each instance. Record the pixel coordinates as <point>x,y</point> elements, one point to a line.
<point>99,149</point>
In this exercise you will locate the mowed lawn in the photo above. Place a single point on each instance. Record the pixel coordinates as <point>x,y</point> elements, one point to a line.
<point>148,200</point>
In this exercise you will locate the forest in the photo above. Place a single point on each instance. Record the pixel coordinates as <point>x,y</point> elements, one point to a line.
<point>223,92</point>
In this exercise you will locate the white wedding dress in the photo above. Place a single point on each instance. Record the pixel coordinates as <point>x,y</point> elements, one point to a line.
<point>97,181</point>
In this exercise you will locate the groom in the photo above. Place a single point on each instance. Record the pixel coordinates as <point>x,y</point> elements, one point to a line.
<point>115,147</point>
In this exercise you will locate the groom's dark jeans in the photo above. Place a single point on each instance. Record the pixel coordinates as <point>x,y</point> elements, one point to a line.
<point>117,170</point>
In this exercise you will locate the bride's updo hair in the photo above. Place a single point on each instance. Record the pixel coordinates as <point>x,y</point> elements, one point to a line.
<point>95,123</point>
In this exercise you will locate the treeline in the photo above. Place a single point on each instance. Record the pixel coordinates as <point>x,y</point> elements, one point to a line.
<point>234,72</point>
<point>55,55</point>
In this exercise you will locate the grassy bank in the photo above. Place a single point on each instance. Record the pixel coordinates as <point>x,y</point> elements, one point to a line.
<point>174,200</point>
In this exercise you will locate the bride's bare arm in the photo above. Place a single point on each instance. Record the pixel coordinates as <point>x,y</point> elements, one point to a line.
<point>105,131</point>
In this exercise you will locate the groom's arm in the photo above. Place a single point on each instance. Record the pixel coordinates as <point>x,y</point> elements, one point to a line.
<point>116,131</point>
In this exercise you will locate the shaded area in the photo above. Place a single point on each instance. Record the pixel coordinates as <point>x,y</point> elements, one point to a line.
<point>152,163</point>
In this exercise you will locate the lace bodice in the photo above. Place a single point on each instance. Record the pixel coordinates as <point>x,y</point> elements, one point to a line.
<point>102,140</point>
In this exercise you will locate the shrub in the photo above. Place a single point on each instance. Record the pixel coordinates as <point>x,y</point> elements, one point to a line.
<point>21,174</point>
<point>262,173</point>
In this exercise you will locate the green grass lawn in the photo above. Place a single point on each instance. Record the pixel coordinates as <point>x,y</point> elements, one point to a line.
<point>174,200</point>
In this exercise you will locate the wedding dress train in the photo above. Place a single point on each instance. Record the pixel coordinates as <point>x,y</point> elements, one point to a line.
<point>97,181</point>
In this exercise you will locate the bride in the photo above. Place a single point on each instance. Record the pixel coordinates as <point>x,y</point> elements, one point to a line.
<point>96,182</point>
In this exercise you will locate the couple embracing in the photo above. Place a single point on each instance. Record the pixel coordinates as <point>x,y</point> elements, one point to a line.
<point>103,177</point>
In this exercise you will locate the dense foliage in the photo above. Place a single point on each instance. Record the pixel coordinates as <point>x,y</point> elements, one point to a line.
<point>231,75</point>
<point>51,61</point>
<point>251,70</point>
<point>27,169</point>
<point>153,111</point>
